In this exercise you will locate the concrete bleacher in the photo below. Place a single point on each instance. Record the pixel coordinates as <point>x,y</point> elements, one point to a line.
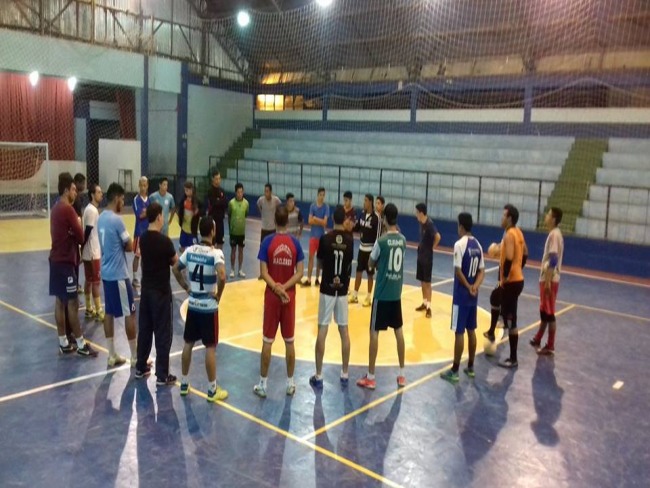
<point>618,204</point>
<point>462,169</point>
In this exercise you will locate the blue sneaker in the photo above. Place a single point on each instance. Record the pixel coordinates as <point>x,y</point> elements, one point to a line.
<point>185,389</point>
<point>344,381</point>
<point>450,376</point>
<point>315,382</point>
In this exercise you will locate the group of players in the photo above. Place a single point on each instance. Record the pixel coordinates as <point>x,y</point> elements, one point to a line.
<point>104,242</point>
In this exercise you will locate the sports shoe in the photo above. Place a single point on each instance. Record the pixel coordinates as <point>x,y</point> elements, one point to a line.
<point>367,301</point>
<point>428,314</point>
<point>217,395</point>
<point>365,382</point>
<point>489,337</point>
<point>241,274</point>
<point>401,381</point>
<point>317,282</point>
<point>135,283</point>
<point>185,389</point>
<point>116,360</point>
<point>80,290</point>
<point>99,316</point>
<point>534,342</point>
<point>259,390</point>
<point>546,351</point>
<point>315,382</point>
<point>169,381</point>
<point>66,349</point>
<point>291,389</point>
<point>344,380</point>
<point>508,363</point>
<point>134,362</point>
<point>232,273</point>
<point>353,299</point>
<point>469,372</point>
<point>421,308</point>
<point>305,283</point>
<point>87,351</point>
<point>72,341</point>
<point>90,313</point>
<point>142,374</point>
<point>450,376</point>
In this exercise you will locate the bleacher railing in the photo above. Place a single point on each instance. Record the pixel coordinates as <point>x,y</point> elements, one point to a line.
<point>642,202</point>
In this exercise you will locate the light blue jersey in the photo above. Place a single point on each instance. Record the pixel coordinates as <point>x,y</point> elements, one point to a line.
<point>113,236</point>
<point>167,203</point>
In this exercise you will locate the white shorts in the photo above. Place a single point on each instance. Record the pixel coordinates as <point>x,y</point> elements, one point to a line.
<point>336,306</point>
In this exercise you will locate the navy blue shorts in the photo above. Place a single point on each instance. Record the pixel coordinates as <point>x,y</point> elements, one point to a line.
<point>119,298</point>
<point>202,326</point>
<point>463,318</point>
<point>64,279</point>
<point>186,240</point>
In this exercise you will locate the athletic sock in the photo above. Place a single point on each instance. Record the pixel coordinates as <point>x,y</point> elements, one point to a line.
<point>343,374</point>
<point>263,382</point>
<point>290,381</point>
<point>81,343</point>
<point>318,376</point>
<point>493,321</point>
<point>63,341</point>
<point>401,371</point>
<point>133,347</point>
<point>212,385</point>
<point>370,376</point>
<point>185,380</point>
<point>355,294</point>
<point>514,340</point>
<point>110,342</point>
<point>427,303</point>
<point>89,303</point>
<point>98,303</point>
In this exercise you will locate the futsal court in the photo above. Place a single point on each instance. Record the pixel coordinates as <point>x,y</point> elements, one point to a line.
<point>576,419</point>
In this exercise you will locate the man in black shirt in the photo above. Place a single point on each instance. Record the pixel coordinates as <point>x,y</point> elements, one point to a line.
<point>335,253</point>
<point>369,227</point>
<point>80,184</point>
<point>158,254</point>
<point>216,205</point>
<point>429,240</point>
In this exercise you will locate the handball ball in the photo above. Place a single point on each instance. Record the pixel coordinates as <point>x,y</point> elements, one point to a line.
<point>492,250</point>
<point>490,347</point>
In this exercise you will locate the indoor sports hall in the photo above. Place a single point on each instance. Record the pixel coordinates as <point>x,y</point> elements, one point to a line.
<point>464,106</point>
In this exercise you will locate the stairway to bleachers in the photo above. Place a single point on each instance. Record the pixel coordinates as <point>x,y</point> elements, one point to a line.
<point>452,172</point>
<point>618,206</point>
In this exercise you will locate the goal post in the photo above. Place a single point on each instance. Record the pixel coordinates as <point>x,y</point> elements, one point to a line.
<point>25,179</point>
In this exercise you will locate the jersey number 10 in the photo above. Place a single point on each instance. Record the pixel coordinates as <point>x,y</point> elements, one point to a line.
<point>473,267</point>
<point>395,259</point>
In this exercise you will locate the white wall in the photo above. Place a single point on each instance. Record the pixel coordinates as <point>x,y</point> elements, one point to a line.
<point>592,115</point>
<point>289,115</point>
<point>115,155</point>
<point>216,118</point>
<point>515,115</point>
<point>370,115</point>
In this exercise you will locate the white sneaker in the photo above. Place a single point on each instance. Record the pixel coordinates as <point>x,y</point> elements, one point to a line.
<point>116,360</point>
<point>232,273</point>
<point>242,274</point>
<point>291,389</point>
<point>367,302</point>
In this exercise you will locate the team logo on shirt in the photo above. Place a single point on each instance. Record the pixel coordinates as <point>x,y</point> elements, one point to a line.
<point>339,239</point>
<point>283,261</point>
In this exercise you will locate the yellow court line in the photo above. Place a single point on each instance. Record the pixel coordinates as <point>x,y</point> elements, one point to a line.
<point>408,387</point>
<point>46,324</point>
<point>299,440</point>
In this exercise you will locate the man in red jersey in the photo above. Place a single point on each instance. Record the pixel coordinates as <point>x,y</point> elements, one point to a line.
<point>281,267</point>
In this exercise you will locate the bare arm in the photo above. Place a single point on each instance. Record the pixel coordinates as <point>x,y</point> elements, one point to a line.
<point>221,274</point>
<point>180,278</point>
<point>436,240</point>
<point>277,288</point>
<point>128,246</point>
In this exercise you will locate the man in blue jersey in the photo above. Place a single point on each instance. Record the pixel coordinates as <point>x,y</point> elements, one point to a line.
<point>166,200</point>
<point>140,204</point>
<point>115,241</point>
<point>319,213</point>
<point>469,271</point>
<point>206,267</point>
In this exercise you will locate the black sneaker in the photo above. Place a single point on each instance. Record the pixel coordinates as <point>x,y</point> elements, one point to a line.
<point>66,349</point>
<point>170,380</point>
<point>428,314</point>
<point>72,341</point>
<point>87,351</point>
<point>489,337</point>
<point>317,283</point>
<point>421,308</point>
<point>508,363</point>
<point>305,283</point>
<point>142,374</point>
<point>535,343</point>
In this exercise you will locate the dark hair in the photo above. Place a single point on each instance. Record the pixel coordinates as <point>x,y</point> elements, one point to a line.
<point>348,194</point>
<point>390,212</point>
<point>281,216</point>
<point>269,186</point>
<point>465,221</point>
<point>370,197</point>
<point>290,195</point>
<point>188,184</point>
<point>153,211</point>
<point>79,178</point>
<point>163,180</point>
<point>92,188</point>
<point>381,199</point>
<point>422,208</point>
<point>65,182</point>
<point>557,214</point>
<point>215,173</point>
<point>238,186</point>
<point>114,190</point>
<point>321,189</point>
<point>206,225</point>
<point>513,213</point>
<point>339,215</point>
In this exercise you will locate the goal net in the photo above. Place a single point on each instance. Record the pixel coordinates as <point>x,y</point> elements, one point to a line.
<point>25,188</point>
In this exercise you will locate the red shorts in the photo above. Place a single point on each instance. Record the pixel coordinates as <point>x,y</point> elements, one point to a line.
<point>92,271</point>
<point>136,247</point>
<point>547,298</point>
<point>313,245</point>
<point>276,313</point>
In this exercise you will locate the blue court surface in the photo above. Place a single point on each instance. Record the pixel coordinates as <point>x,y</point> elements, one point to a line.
<point>578,419</point>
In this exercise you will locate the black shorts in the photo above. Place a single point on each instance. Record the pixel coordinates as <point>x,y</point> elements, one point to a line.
<point>509,301</point>
<point>362,263</point>
<point>424,271</point>
<point>202,326</point>
<point>64,279</point>
<point>237,241</point>
<point>218,236</point>
<point>386,314</point>
<point>266,233</point>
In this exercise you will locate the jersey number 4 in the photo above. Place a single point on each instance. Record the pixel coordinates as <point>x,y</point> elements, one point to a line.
<point>198,270</point>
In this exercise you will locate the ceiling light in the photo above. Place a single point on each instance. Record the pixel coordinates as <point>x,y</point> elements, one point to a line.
<point>33,78</point>
<point>72,83</point>
<point>243,19</point>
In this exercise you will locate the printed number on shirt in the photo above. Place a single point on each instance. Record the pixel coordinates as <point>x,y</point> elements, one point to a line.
<point>473,266</point>
<point>395,259</point>
<point>198,270</point>
<point>338,263</point>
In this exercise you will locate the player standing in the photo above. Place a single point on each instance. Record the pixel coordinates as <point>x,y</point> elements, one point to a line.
<point>140,204</point>
<point>281,267</point>
<point>91,255</point>
<point>350,213</point>
<point>335,253</point>
<point>429,240</point>
<point>319,213</point>
<point>469,271</point>
<point>166,200</point>
<point>380,202</point>
<point>237,213</point>
<point>206,267</point>
<point>549,281</point>
<point>369,227</point>
<point>216,208</point>
<point>188,217</point>
<point>388,255</point>
<point>295,224</point>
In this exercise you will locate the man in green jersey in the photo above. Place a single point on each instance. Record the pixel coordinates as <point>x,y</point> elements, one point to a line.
<point>237,213</point>
<point>387,257</point>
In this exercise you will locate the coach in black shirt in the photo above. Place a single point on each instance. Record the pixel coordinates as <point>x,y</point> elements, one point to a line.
<point>158,254</point>
<point>429,239</point>
<point>216,207</point>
